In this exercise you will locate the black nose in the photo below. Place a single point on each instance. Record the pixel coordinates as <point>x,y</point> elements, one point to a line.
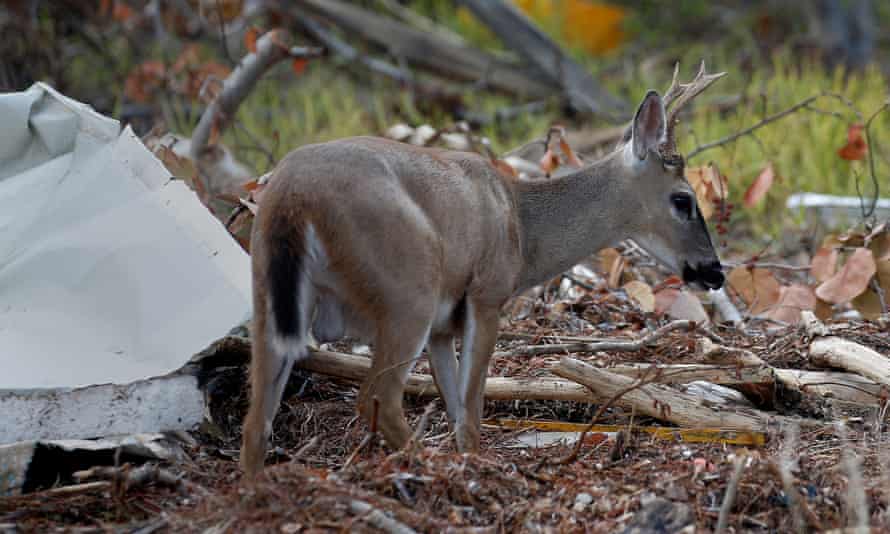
<point>709,275</point>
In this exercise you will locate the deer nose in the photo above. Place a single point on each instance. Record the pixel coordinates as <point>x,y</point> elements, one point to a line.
<point>709,274</point>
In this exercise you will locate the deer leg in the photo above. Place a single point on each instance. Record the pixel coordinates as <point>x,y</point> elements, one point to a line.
<point>443,364</point>
<point>480,335</point>
<point>271,362</point>
<point>399,344</point>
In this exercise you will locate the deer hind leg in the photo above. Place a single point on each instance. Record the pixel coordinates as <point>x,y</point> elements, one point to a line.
<point>480,335</point>
<point>399,343</point>
<point>277,343</point>
<point>443,364</point>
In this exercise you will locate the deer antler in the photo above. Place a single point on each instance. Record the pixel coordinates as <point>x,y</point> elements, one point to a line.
<point>680,94</point>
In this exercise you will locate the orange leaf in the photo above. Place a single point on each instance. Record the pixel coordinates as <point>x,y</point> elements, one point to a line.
<point>851,280</point>
<point>122,12</point>
<point>760,186</point>
<point>856,147</point>
<point>549,162</point>
<point>757,287</point>
<point>570,154</point>
<point>709,185</point>
<point>504,168</point>
<point>250,37</point>
<point>824,263</point>
<point>299,65</point>
<point>144,81</point>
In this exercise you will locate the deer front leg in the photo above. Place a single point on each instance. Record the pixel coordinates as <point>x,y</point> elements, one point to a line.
<point>444,367</point>
<point>480,335</point>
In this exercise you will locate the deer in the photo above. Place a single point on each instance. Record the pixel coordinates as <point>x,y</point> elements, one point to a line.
<point>410,248</point>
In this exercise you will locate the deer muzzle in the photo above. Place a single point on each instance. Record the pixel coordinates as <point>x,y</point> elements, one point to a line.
<point>708,275</point>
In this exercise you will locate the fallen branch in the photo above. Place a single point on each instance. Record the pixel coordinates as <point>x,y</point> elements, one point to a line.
<point>692,372</point>
<point>847,387</point>
<point>849,355</point>
<point>603,345</point>
<point>527,40</point>
<point>356,368</point>
<point>378,519</point>
<point>663,402</point>
<point>127,477</point>
<point>427,50</point>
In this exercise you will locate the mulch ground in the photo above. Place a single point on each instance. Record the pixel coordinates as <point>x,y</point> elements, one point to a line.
<point>629,481</point>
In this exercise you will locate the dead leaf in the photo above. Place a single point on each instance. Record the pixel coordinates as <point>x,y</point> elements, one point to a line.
<point>504,168</point>
<point>792,300</point>
<point>250,37</point>
<point>612,264</point>
<point>823,310</point>
<point>687,306</point>
<point>642,294</point>
<point>122,12</point>
<point>216,11</point>
<point>851,280</point>
<point>757,287</point>
<point>664,299</point>
<point>760,186</point>
<point>549,162</point>
<point>856,147</point>
<point>299,65</point>
<point>569,153</point>
<point>883,274</point>
<point>144,81</point>
<point>878,241</point>
<point>709,185</point>
<point>824,263</point>
<point>868,304</point>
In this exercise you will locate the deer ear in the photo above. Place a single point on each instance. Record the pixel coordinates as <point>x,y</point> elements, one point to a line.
<point>648,130</point>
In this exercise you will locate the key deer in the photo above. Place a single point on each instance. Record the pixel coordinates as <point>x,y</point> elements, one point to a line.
<point>409,248</point>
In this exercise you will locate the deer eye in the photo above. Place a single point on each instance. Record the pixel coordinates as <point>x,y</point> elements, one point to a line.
<point>682,202</point>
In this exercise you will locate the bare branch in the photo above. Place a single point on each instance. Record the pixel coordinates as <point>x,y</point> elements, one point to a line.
<point>803,104</point>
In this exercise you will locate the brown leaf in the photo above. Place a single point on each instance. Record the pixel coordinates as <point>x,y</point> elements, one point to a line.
<point>823,310</point>
<point>549,162</point>
<point>569,153</point>
<point>642,294</point>
<point>757,287</point>
<point>856,147</point>
<point>299,65</point>
<point>792,300</point>
<point>883,274</point>
<point>760,186</point>
<point>709,185</point>
<point>868,304</point>
<point>504,168</point>
<point>664,299</point>
<point>878,241</point>
<point>250,37</point>
<point>612,264</point>
<point>851,280</point>
<point>144,81</point>
<point>687,306</point>
<point>824,263</point>
<point>122,12</point>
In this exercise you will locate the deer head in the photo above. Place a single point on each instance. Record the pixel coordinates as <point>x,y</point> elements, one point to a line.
<point>666,221</point>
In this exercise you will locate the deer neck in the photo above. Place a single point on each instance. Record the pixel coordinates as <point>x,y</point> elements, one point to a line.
<point>566,219</point>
